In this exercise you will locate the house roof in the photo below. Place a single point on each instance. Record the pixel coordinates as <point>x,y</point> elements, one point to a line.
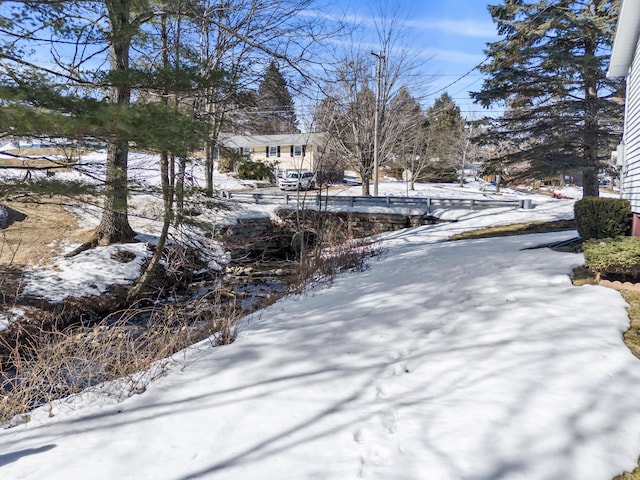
<point>245,141</point>
<point>626,40</point>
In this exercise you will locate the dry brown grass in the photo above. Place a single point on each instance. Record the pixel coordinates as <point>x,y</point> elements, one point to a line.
<point>517,229</point>
<point>40,157</point>
<point>36,232</point>
<point>39,365</point>
<point>632,340</point>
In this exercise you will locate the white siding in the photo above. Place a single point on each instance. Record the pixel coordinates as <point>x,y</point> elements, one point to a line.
<point>631,178</point>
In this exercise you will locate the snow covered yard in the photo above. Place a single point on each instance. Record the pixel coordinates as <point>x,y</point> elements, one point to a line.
<point>458,360</point>
<point>463,360</point>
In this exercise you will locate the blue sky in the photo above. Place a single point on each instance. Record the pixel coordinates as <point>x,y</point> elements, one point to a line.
<point>447,36</point>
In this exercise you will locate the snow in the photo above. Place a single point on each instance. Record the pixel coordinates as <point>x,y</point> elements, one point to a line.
<point>469,360</point>
<point>91,272</point>
<point>143,170</point>
<point>14,314</point>
<point>474,360</point>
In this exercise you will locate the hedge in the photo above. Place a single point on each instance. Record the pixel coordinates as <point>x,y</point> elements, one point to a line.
<point>602,217</point>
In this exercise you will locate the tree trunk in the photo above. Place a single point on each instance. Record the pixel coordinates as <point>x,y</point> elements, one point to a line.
<point>114,225</point>
<point>166,181</point>
<point>590,133</point>
<point>366,191</point>
<point>179,185</point>
<point>208,168</point>
<point>167,197</point>
<point>464,155</point>
<point>590,184</point>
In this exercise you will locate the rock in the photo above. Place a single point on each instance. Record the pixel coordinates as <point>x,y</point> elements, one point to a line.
<point>4,216</point>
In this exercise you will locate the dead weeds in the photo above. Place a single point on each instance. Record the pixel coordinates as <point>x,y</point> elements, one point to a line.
<point>517,229</point>
<point>632,340</point>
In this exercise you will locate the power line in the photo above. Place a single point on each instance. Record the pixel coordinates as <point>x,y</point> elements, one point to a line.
<point>460,78</point>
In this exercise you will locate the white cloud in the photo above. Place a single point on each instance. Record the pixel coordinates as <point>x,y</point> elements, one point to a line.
<point>464,28</point>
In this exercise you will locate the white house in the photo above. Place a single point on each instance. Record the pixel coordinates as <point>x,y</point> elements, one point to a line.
<point>625,62</point>
<point>299,151</point>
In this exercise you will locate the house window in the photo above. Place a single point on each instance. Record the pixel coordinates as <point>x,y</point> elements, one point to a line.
<point>297,150</point>
<point>247,150</point>
<point>273,151</point>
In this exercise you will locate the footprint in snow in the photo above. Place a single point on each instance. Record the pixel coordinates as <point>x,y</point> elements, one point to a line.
<point>360,436</point>
<point>389,420</point>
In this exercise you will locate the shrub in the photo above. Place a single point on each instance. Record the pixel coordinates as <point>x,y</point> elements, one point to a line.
<point>39,364</point>
<point>620,255</point>
<point>602,217</point>
<point>249,170</point>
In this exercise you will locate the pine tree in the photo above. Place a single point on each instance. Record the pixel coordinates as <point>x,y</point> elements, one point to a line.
<point>78,102</point>
<point>446,121</point>
<point>411,135</point>
<point>276,111</point>
<point>549,73</point>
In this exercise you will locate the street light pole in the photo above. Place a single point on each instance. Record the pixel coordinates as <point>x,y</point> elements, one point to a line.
<point>376,132</point>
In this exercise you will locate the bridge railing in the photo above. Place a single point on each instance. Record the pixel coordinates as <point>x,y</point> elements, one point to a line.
<point>315,199</point>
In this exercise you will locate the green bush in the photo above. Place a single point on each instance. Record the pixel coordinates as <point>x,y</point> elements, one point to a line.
<point>620,255</point>
<point>248,170</point>
<point>602,217</point>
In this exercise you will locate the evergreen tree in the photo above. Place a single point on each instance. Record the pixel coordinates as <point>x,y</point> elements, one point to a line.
<point>446,122</point>
<point>549,73</point>
<point>276,112</point>
<point>78,102</point>
<point>412,149</point>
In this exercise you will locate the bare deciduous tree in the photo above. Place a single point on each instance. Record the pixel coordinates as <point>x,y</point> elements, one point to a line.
<point>362,85</point>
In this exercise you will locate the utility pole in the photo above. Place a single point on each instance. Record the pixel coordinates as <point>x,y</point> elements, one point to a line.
<point>376,132</point>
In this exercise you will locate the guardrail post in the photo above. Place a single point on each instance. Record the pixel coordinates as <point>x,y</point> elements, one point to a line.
<point>428,205</point>
<point>526,204</point>
<point>351,199</point>
<point>256,197</point>
<point>318,198</point>
<point>473,204</point>
<point>388,201</point>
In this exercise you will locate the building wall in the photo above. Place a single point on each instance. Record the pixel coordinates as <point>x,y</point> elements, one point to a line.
<point>313,153</point>
<point>285,161</point>
<point>631,167</point>
<point>284,158</point>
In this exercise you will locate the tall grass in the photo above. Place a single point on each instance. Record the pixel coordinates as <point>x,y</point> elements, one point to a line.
<point>40,365</point>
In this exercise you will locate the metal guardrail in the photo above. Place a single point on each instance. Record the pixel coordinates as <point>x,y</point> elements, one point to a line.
<point>428,204</point>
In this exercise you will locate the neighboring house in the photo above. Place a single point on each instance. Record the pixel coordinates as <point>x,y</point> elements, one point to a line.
<point>625,62</point>
<point>285,152</point>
